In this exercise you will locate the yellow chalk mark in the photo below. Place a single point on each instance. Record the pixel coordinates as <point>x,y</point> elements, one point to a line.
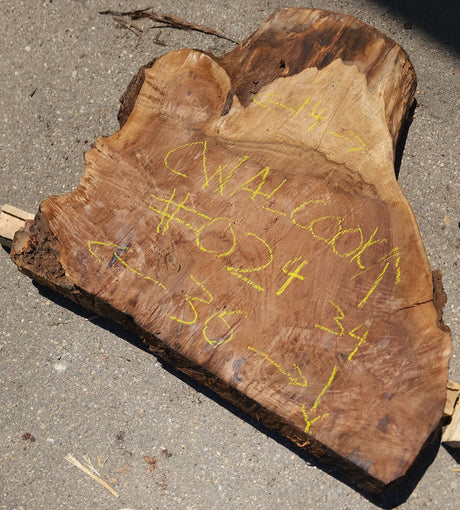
<point>353,332</point>
<point>122,261</point>
<point>337,319</point>
<point>342,232</point>
<point>386,258</point>
<point>370,242</point>
<point>255,99</point>
<point>302,106</point>
<point>215,252</point>
<point>353,136</point>
<point>394,254</point>
<point>165,211</point>
<point>362,144</point>
<point>101,243</point>
<point>292,274</point>
<point>281,213</point>
<point>300,207</point>
<point>171,215</point>
<point>222,181</point>
<point>221,315</point>
<point>272,99</point>
<point>249,282</point>
<point>317,116</point>
<point>236,271</point>
<point>374,285</point>
<point>189,299</point>
<point>138,273</point>
<point>362,339</point>
<point>339,219</point>
<point>309,422</point>
<point>292,379</point>
<point>172,151</point>
<point>323,391</point>
<point>262,175</point>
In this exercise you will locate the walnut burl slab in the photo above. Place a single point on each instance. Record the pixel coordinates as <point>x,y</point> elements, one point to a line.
<point>246,222</point>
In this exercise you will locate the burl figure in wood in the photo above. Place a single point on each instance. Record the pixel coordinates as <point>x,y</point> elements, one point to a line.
<point>246,222</point>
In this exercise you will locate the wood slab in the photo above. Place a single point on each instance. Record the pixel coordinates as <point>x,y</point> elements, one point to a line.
<point>246,222</point>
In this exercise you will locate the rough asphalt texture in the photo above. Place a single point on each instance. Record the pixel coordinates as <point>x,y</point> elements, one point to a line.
<point>72,383</point>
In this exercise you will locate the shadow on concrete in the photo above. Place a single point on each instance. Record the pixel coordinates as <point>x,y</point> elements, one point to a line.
<point>453,452</point>
<point>438,18</point>
<point>391,497</point>
<point>401,144</point>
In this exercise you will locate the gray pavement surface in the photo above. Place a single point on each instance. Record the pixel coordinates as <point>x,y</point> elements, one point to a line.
<point>73,383</point>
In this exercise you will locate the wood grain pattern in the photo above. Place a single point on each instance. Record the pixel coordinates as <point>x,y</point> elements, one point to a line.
<point>246,222</point>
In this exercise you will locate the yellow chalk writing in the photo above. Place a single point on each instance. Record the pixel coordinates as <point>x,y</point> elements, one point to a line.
<point>323,391</point>
<point>100,243</point>
<point>207,298</point>
<point>171,215</point>
<point>302,106</point>
<point>165,213</point>
<point>228,335</point>
<point>352,137</point>
<point>172,151</point>
<point>343,232</point>
<point>340,232</point>
<point>239,272</point>
<point>374,286</point>
<point>116,255</point>
<point>393,254</point>
<point>337,319</point>
<point>262,176</point>
<point>300,207</point>
<point>208,177</point>
<point>281,213</point>
<point>217,253</point>
<point>190,299</point>
<point>317,116</point>
<point>362,340</point>
<point>268,100</point>
<point>370,242</point>
<point>356,253</point>
<point>222,180</point>
<point>272,99</point>
<point>292,274</point>
<point>308,421</point>
<point>294,380</point>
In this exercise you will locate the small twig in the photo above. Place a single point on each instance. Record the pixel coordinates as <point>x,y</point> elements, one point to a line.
<point>158,41</point>
<point>80,466</point>
<point>169,20</point>
<point>128,25</point>
<point>101,461</point>
<point>455,470</point>
<point>87,459</point>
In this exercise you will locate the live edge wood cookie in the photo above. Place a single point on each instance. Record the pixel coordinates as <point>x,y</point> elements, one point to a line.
<point>246,222</point>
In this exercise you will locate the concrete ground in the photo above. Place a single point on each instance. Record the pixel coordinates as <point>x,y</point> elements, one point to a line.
<point>73,383</point>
